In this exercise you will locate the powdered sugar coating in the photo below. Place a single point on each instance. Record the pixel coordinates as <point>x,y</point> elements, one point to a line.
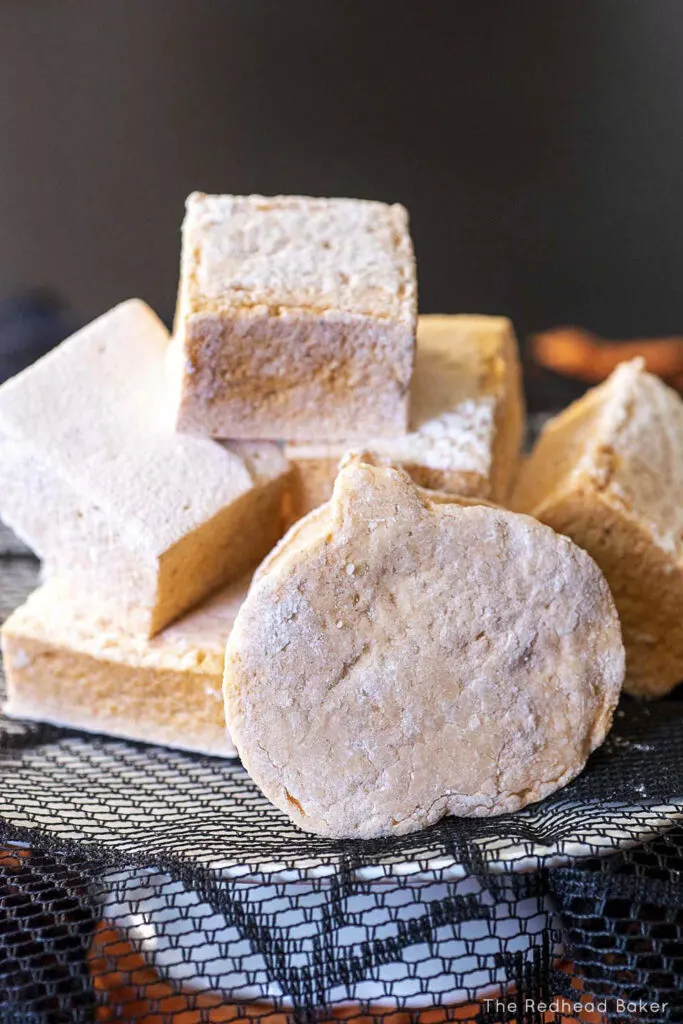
<point>348,255</point>
<point>608,472</point>
<point>477,664</point>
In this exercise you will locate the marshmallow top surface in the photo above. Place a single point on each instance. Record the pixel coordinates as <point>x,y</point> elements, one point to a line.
<point>324,256</point>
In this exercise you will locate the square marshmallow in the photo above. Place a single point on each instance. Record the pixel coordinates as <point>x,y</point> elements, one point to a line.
<point>295,320</point>
<point>145,521</point>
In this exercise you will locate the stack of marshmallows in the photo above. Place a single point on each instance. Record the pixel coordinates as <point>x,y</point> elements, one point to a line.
<point>412,646</point>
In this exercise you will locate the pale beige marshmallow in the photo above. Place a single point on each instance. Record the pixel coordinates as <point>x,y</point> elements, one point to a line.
<point>66,664</point>
<point>295,318</point>
<point>608,472</point>
<point>145,521</point>
<point>399,658</point>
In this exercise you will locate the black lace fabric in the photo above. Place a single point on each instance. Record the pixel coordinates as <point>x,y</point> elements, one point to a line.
<point>142,884</point>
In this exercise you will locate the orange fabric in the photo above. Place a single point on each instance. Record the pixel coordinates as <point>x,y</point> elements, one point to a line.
<point>132,991</point>
<point>578,353</point>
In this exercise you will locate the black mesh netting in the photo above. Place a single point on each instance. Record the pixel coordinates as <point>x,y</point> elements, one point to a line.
<point>141,884</point>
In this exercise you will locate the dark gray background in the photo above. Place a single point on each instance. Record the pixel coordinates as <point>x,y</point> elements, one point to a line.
<point>538,146</point>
